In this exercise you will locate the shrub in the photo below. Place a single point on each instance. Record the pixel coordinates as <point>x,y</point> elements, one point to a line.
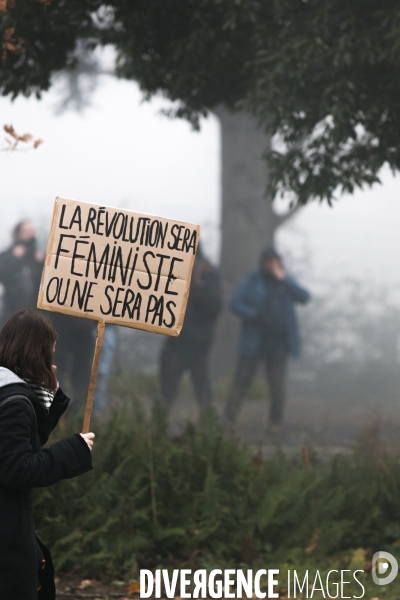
<point>205,498</point>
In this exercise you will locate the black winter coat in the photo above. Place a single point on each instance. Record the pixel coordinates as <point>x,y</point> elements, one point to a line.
<point>24,428</point>
<point>21,280</point>
<point>204,305</point>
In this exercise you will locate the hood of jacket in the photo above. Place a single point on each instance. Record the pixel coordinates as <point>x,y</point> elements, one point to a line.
<point>8,377</point>
<point>268,253</point>
<point>12,385</point>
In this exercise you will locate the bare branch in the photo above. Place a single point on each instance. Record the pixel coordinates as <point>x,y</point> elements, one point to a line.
<point>14,140</point>
<point>280,219</point>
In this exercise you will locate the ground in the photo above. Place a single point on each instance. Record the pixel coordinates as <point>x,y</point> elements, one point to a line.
<point>69,586</point>
<point>329,427</point>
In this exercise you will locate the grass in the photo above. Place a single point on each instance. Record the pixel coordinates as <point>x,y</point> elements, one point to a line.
<point>146,385</point>
<point>206,501</point>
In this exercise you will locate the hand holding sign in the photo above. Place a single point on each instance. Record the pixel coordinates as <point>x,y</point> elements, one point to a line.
<point>117,266</point>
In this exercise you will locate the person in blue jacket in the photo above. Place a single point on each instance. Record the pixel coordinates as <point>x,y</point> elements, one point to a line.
<point>264,302</point>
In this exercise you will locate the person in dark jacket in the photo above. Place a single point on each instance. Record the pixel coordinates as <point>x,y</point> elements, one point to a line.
<point>31,404</point>
<point>264,302</point>
<point>20,273</point>
<point>74,354</point>
<point>20,270</point>
<point>190,350</point>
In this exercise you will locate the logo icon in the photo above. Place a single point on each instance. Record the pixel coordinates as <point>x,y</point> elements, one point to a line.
<point>380,565</point>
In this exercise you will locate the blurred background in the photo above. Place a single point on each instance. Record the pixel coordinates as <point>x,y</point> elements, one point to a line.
<point>204,111</point>
<point>114,149</point>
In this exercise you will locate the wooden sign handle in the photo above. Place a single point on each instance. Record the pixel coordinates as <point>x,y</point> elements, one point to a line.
<point>93,377</point>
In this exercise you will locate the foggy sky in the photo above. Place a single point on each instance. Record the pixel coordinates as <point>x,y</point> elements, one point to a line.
<point>121,152</point>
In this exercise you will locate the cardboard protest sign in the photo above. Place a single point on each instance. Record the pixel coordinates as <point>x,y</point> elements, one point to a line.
<point>117,266</point>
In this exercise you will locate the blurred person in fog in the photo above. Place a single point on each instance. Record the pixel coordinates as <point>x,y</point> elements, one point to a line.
<point>74,354</point>
<point>105,365</point>
<point>264,302</point>
<point>31,404</point>
<point>190,350</point>
<point>20,270</point>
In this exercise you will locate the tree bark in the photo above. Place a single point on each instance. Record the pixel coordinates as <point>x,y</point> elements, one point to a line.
<point>248,221</point>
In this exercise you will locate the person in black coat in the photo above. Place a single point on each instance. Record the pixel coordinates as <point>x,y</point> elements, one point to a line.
<point>31,404</point>
<point>20,270</point>
<point>190,350</point>
<point>20,273</point>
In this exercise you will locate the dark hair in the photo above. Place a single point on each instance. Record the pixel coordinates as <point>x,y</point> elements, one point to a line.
<point>269,253</point>
<point>17,229</point>
<point>26,347</point>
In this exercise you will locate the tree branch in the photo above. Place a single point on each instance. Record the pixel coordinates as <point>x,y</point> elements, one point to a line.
<point>280,219</point>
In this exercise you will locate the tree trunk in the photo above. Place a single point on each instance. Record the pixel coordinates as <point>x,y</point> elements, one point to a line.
<point>247,220</point>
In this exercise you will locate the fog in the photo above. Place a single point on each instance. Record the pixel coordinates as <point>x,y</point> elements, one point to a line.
<point>121,152</point>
